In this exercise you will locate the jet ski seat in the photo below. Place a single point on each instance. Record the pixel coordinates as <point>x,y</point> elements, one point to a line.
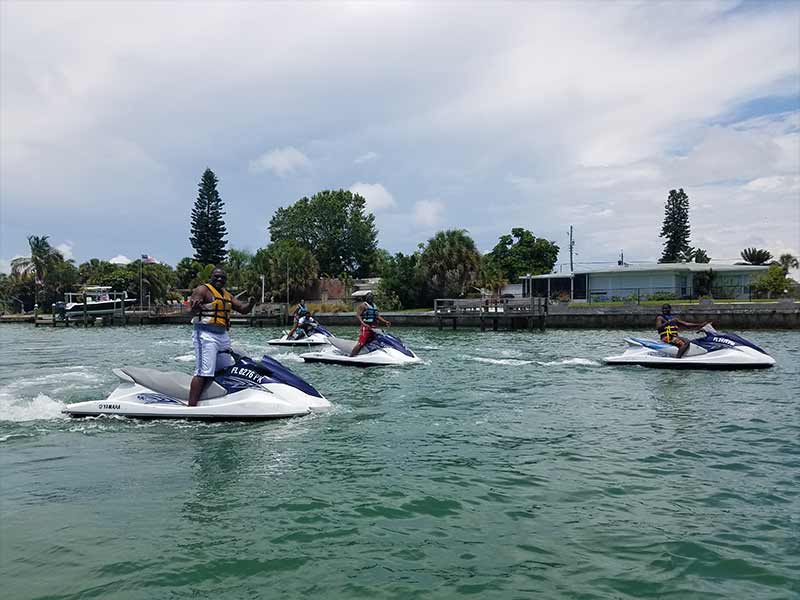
<point>174,385</point>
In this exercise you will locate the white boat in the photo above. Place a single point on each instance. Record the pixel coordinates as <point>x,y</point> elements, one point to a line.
<point>100,300</point>
<point>383,350</point>
<point>244,390</point>
<point>715,350</point>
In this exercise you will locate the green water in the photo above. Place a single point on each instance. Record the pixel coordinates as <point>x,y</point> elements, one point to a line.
<point>507,465</point>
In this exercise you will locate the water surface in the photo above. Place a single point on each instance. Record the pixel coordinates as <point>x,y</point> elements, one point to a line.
<point>507,465</point>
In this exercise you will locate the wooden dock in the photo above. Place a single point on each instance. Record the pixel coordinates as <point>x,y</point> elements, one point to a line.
<point>510,313</point>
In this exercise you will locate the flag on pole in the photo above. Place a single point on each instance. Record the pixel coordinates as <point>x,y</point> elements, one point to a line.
<point>149,260</point>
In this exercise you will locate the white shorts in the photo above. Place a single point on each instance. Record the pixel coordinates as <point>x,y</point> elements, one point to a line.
<point>207,345</point>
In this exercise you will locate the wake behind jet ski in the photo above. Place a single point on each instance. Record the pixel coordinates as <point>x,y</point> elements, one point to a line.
<point>715,350</point>
<point>243,390</point>
<point>308,333</point>
<point>382,350</point>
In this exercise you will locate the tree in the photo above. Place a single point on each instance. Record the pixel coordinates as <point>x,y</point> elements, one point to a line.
<point>96,272</point>
<point>491,276</point>
<point>697,255</point>
<point>41,261</point>
<point>675,229</point>
<point>703,282</point>
<point>237,266</point>
<point>756,256</point>
<point>451,263</point>
<point>521,253</point>
<point>788,262</point>
<point>208,228</point>
<point>186,271</point>
<point>773,282</point>
<point>403,276</point>
<point>334,227</point>
<point>281,262</point>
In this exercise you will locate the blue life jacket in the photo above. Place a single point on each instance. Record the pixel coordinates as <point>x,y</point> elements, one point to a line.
<point>301,311</point>
<point>370,314</point>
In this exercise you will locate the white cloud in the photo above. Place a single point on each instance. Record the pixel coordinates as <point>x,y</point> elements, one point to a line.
<point>378,197</point>
<point>369,156</point>
<point>66,249</point>
<point>428,213</point>
<point>120,259</point>
<point>281,161</point>
<point>639,98</point>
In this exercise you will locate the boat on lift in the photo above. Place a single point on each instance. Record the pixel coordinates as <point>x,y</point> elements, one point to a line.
<point>92,301</point>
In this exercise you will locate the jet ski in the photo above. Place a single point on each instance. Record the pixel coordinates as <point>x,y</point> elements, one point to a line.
<point>715,350</point>
<point>243,390</point>
<point>308,333</point>
<point>382,350</point>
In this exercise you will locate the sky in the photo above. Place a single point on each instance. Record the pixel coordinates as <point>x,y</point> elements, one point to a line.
<point>477,116</point>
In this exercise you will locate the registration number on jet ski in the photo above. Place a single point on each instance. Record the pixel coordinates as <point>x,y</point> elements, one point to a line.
<point>109,407</point>
<point>247,373</point>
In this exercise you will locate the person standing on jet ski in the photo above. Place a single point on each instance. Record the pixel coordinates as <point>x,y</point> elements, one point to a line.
<point>212,305</point>
<point>668,325</point>
<point>299,312</point>
<point>367,314</point>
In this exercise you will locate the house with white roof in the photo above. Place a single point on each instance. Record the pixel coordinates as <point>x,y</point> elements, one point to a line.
<point>640,282</point>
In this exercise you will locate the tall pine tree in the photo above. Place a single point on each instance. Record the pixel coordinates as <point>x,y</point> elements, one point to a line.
<point>208,228</point>
<point>676,227</point>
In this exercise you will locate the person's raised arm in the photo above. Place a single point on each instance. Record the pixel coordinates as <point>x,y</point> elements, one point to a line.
<point>359,312</point>
<point>198,298</point>
<point>241,307</point>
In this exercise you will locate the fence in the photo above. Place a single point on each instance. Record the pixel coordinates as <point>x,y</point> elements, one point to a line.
<point>637,295</point>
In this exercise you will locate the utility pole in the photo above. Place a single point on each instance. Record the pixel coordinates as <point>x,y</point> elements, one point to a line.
<point>571,246</point>
<point>287,286</point>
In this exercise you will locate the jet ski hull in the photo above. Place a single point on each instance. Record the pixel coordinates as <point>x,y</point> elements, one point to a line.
<point>247,390</point>
<point>712,362</point>
<point>377,358</point>
<point>385,351</point>
<point>315,340</point>
<point>714,351</point>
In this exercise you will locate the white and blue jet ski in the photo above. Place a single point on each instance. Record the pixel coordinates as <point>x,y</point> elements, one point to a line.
<point>242,390</point>
<point>715,350</point>
<point>308,333</point>
<point>382,350</point>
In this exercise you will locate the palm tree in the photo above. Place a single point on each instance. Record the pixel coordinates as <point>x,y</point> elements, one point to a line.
<point>788,261</point>
<point>43,257</point>
<point>451,262</point>
<point>756,256</point>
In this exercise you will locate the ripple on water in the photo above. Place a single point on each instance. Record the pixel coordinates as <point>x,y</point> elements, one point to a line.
<point>506,465</point>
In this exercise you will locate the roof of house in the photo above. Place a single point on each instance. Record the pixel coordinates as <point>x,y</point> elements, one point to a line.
<point>657,268</point>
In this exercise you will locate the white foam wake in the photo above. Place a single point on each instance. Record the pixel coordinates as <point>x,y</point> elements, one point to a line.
<point>585,362</point>
<point>501,361</point>
<point>27,409</point>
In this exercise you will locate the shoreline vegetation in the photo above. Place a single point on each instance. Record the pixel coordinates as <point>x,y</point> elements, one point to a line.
<point>332,238</point>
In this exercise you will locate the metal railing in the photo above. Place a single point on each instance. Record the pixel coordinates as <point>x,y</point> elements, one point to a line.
<point>489,306</point>
<point>637,295</point>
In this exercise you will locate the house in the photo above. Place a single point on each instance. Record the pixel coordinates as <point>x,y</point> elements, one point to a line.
<point>640,282</point>
<point>361,287</point>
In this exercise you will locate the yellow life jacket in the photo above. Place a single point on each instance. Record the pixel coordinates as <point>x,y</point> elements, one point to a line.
<point>219,311</point>
<point>669,330</point>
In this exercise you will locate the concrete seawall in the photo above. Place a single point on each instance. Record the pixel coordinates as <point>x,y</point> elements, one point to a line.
<point>762,315</point>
